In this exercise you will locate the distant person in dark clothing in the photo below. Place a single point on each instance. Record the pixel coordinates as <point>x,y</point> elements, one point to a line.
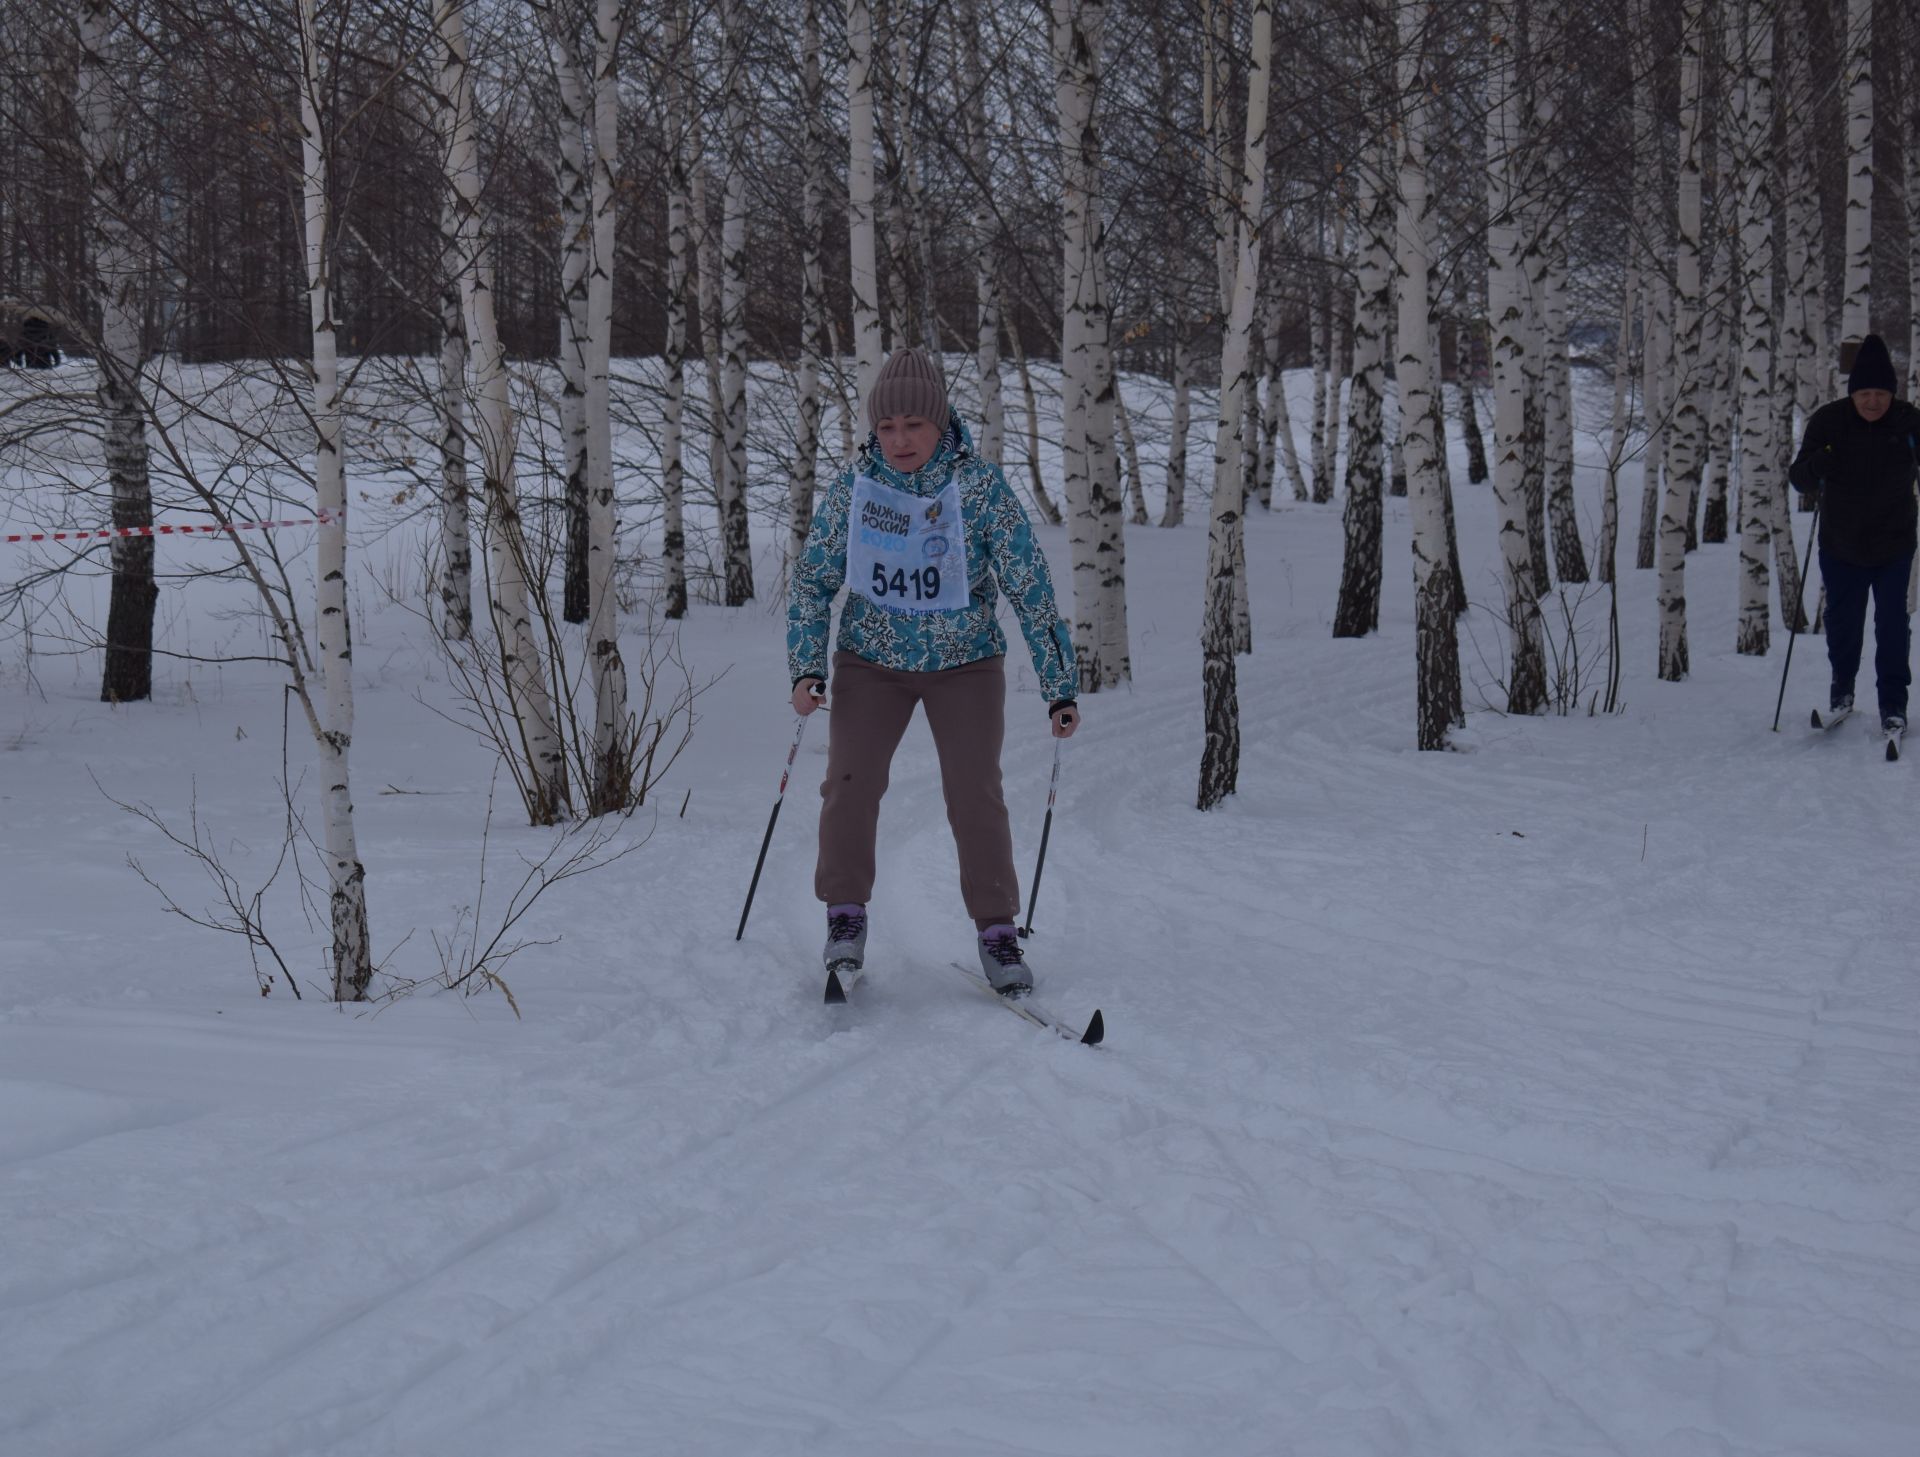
<point>37,349</point>
<point>1860,455</point>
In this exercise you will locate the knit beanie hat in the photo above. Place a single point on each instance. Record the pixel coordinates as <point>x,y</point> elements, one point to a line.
<point>1872,367</point>
<point>910,384</point>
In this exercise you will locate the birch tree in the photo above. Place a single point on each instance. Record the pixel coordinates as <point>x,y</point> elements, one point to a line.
<point>1857,288</point>
<point>1220,756</point>
<point>736,545</point>
<point>1506,307</point>
<point>1683,460</point>
<point>803,475</point>
<point>100,98</point>
<point>673,534</point>
<point>612,786</point>
<point>456,535</point>
<point>1436,646</point>
<point>986,284</point>
<point>1617,434</point>
<point>1094,502</point>
<point>333,729</point>
<point>862,242</point>
<point>576,244</point>
<point>540,771</point>
<point>1750,34</point>
<point>1357,610</point>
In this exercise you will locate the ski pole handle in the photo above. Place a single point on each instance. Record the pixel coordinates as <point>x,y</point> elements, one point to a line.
<point>1046,832</point>
<point>799,732</point>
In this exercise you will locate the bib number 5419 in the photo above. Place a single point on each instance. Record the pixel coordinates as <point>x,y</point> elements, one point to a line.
<point>919,585</point>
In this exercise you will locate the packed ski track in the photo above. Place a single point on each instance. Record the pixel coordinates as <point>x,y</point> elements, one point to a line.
<point>1557,1096</point>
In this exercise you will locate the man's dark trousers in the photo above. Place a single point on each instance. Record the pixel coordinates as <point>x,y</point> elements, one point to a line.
<point>1847,589</point>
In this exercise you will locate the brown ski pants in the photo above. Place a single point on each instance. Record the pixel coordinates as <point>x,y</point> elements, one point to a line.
<point>966,710</point>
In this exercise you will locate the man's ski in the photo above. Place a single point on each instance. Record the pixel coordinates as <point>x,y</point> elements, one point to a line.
<point>842,977</point>
<point>1833,719</point>
<point>1894,736</point>
<point>1024,1006</point>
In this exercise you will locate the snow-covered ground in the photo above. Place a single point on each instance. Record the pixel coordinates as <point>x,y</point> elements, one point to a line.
<point>1558,1096</point>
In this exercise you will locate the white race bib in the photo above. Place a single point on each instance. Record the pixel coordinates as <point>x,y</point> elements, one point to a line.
<point>907,553</point>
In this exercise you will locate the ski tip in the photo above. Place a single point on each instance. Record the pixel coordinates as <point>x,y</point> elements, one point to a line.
<point>1893,750</point>
<point>1817,723</point>
<point>1096,1030</point>
<point>836,994</point>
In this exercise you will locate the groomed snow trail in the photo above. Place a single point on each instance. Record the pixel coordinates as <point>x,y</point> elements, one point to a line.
<point>1555,1097</point>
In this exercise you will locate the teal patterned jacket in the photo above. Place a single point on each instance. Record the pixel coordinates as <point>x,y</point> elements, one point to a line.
<point>1000,547</point>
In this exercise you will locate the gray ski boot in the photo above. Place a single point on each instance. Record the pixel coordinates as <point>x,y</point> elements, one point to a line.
<point>1003,963</point>
<point>846,950</point>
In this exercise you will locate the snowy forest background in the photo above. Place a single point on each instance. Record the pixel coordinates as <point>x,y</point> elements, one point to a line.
<point>392,603</point>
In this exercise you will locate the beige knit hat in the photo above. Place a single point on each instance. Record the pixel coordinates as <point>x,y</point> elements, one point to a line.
<point>908,384</point>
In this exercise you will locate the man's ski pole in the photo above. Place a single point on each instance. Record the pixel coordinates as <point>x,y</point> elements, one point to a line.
<point>799,731</point>
<point>1799,607</point>
<point>1046,830</point>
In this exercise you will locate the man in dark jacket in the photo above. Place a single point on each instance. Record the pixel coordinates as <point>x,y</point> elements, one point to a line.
<point>1860,456</point>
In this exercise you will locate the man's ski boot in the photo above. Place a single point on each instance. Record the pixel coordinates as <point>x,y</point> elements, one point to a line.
<point>1003,962</point>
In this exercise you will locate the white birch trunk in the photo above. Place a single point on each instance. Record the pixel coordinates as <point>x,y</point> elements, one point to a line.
<point>1719,340</point>
<point>1093,499</point>
<point>1617,435</point>
<point>1507,310</point>
<point>456,538</point>
<point>1437,648</point>
<point>1174,511</point>
<point>864,266</point>
<point>1357,609</point>
<point>541,768</point>
<point>576,243</point>
<point>613,767</point>
<point>1220,756</point>
<point>1801,368</point>
<point>1856,291</point>
<point>1319,365</point>
<point>1683,459</point>
<point>986,286</point>
<point>736,543</point>
<point>1657,402</point>
<point>673,531</point>
<point>803,477</point>
<point>127,672</point>
<point>346,876</point>
<point>1751,33</point>
<point>1273,414</point>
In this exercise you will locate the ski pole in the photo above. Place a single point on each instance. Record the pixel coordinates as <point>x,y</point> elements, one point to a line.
<point>1046,830</point>
<point>1799,606</point>
<point>799,731</point>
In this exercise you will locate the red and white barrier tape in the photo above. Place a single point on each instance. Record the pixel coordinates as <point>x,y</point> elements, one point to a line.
<point>214,530</point>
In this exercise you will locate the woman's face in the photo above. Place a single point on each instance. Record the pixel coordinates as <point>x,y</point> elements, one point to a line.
<point>907,441</point>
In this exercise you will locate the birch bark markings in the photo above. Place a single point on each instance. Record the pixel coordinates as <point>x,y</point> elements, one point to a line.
<point>1506,301</point>
<point>1095,505</point>
<point>973,111</point>
<point>333,733</point>
<point>456,538</point>
<point>1357,610</point>
<point>612,785</point>
<point>1683,461</point>
<point>863,249</point>
<point>736,545</point>
<point>673,535</point>
<point>1220,755</point>
<point>1751,36</point>
<point>540,771</point>
<point>576,242</point>
<point>803,477</point>
<point>1437,649</point>
<point>1856,291</point>
<point>127,672</point>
